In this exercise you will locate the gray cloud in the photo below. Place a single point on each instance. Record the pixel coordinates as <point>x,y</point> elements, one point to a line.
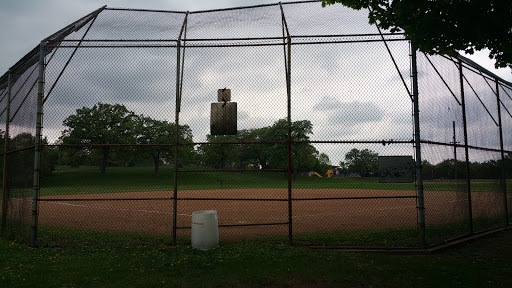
<point>327,103</point>
<point>242,115</point>
<point>355,113</point>
<point>35,20</point>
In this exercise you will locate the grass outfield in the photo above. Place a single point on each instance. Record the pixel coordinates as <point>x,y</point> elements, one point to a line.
<point>485,262</point>
<point>87,180</point>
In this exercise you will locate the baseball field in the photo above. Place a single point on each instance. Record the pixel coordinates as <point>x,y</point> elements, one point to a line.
<point>252,205</point>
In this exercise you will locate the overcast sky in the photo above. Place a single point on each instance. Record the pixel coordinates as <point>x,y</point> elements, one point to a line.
<point>329,83</point>
<point>23,23</point>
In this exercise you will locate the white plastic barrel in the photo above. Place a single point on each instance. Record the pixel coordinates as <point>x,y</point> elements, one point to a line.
<point>205,229</point>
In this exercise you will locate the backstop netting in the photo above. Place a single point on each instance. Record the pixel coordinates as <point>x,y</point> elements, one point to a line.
<point>325,148</point>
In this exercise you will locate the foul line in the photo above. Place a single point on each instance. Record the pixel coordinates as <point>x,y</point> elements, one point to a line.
<point>118,209</point>
<point>297,216</point>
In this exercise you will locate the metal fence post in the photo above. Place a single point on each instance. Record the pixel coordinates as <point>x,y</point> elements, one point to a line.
<point>419,173</point>
<point>288,88</point>
<point>503,181</point>
<point>37,153</point>
<point>6,147</point>
<point>176,136</point>
<point>287,63</point>
<point>466,149</point>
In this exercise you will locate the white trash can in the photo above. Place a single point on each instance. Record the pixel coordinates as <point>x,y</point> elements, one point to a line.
<point>205,229</point>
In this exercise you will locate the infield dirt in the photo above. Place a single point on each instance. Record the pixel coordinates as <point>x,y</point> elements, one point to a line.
<point>152,212</point>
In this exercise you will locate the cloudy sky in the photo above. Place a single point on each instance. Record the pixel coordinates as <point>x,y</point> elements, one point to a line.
<point>23,23</point>
<point>330,83</point>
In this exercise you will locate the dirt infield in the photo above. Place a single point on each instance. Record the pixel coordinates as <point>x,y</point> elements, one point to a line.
<point>152,212</point>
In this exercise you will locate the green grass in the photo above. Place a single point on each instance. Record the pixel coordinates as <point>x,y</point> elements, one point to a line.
<point>438,234</point>
<point>393,237</point>
<point>87,180</point>
<point>485,262</point>
<point>52,236</point>
<point>483,224</point>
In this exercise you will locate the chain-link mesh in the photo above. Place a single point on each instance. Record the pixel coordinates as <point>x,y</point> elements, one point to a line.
<point>505,94</point>
<point>20,153</point>
<point>484,132</point>
<point>324,151</point>
<point>3,116</point>
<point>441,121</point>
<point>125,25</point>
<point>479,203</point>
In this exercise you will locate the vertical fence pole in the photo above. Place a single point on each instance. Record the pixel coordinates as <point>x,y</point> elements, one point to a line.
<point>503,181</point>
<point>6,147</point>
<point>37,153</point>
<point>288,90</point>
<point>287,63</point>
<point>176,137</point>
<point>466,149</point>
<point>419,173</point>
<point>455,172</point>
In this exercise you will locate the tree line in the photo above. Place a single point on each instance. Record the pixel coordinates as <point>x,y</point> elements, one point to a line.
<point>451,169</point>
<point>88,133</point>
<point>139,140</point>
<point>366,163</point>
<point>105,124</point>
<point>261,152</point>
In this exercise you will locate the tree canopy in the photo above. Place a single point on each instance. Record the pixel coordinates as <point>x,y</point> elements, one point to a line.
<point>451,169</point>
<point>363,161</point>
<point>151,131</point>
<point>115,124</point>
<point>446,26</point>
<point>101,124</point>
<point>305,157</point>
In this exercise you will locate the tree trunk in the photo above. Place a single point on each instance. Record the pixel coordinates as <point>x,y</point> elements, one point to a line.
<point>222,158</point>
<point>104,161</point>
<point>156,161</point>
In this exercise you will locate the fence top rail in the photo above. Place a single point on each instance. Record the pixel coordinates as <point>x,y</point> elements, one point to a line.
<point>145,10</point>
<point>55,43</point>
<point>211,10</point>
<point>479,68</point>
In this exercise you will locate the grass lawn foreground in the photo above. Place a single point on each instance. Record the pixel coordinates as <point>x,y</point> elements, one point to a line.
<point>484,262</point>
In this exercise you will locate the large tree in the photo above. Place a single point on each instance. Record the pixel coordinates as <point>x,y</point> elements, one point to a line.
<point>248,153</point>
<point>220,156</point>
<point>363,161</point>
<point>323,163</point>
<point>151,131</point>
<point>446,26</point>
<point>101,124</point>
<point>305,157</point>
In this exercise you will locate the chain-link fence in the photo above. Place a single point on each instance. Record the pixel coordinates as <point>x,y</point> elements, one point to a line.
<point>343,134</point>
